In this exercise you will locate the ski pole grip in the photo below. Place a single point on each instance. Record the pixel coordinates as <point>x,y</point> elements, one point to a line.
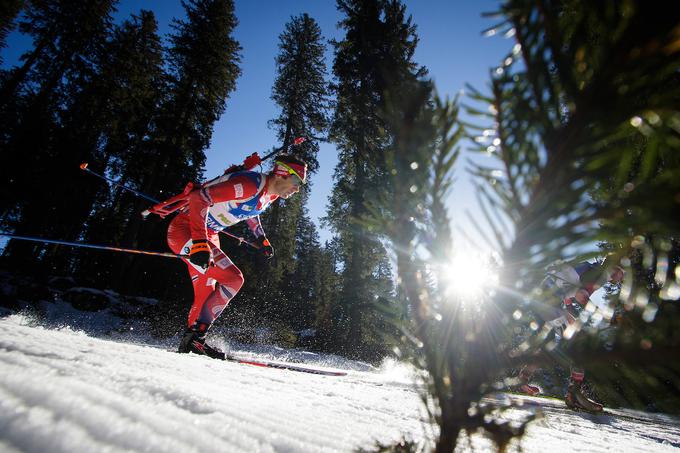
<point>251,161</point>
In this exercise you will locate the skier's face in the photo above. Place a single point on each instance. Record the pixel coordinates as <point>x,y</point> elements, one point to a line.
<point>286,186</point>
<point>292,186</point>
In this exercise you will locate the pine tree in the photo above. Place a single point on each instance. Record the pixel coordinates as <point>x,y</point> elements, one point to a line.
<point>128,91</point>
<point>617,126</point>
<point>372,62</point>
<point>582,138</point>
<point>67,37</point>
<point>299,287</point>
<point>301,93</point>
<point>8,15</point>
<point>203,63</point>
<point>8,12</point>
<point>202,71</point>
<point>412,215</point>
<point>300,88</point>
<point>325,300</point>
<point>63,35</point>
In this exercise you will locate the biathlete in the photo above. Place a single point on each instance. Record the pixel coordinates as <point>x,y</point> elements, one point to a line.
<point>217,205</point>
<point>573,286</point>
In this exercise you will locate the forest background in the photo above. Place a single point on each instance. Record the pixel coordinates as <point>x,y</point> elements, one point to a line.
<point>578,125</point>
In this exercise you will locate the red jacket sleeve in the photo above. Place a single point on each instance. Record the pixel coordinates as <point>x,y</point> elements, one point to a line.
<point>236,188</point>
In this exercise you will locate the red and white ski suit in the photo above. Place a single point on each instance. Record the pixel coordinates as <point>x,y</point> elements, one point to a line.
<point>220,204</point>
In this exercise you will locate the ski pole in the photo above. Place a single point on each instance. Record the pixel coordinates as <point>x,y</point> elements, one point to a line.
<point>92,246</point>
<point>83,166</point>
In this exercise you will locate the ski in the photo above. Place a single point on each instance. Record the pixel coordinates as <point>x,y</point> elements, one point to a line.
<point>268,364</point>
<point>559,406</point>
<point>284,366</point>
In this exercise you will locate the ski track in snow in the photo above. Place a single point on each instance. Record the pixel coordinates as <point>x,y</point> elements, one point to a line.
<point>64,391</point>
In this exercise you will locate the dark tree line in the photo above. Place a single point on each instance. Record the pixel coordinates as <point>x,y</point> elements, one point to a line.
<point>142,112</point>
<point>113,96</point>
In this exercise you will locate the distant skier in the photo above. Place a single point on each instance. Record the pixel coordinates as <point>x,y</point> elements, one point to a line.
<point>573,286</point>
<point>213,207</point>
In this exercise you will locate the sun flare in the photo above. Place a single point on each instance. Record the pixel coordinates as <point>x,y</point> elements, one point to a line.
<point>468,275</point>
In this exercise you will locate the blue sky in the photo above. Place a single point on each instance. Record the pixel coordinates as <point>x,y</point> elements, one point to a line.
<point>451,47</point>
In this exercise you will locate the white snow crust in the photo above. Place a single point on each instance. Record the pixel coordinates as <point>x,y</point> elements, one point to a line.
<point>64,391</point>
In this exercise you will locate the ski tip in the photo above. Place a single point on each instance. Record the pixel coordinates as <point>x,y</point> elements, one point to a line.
<point>83,166</point>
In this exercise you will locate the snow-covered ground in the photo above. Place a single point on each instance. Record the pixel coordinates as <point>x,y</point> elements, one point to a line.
<point>64,391</point>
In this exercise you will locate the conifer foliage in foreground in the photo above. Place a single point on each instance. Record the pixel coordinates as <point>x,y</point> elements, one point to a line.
<point>582,139</point>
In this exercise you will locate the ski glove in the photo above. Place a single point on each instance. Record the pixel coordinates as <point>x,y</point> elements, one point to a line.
<point>266,247</point>
<point>200,253</point>
<point>573,307</point>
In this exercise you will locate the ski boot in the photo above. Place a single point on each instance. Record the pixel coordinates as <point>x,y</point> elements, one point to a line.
<point>525,375</point>
<point>194,341</point>
<point>576,400</point>
<point>528,389</point>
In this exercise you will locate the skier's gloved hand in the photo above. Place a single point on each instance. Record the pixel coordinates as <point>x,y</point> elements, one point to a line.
<point>266,247</point>
<point>582,297</point>
<point>573,307</point>
<point>200,253</point>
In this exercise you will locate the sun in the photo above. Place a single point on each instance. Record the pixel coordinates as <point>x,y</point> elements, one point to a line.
<point>468,274</point>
